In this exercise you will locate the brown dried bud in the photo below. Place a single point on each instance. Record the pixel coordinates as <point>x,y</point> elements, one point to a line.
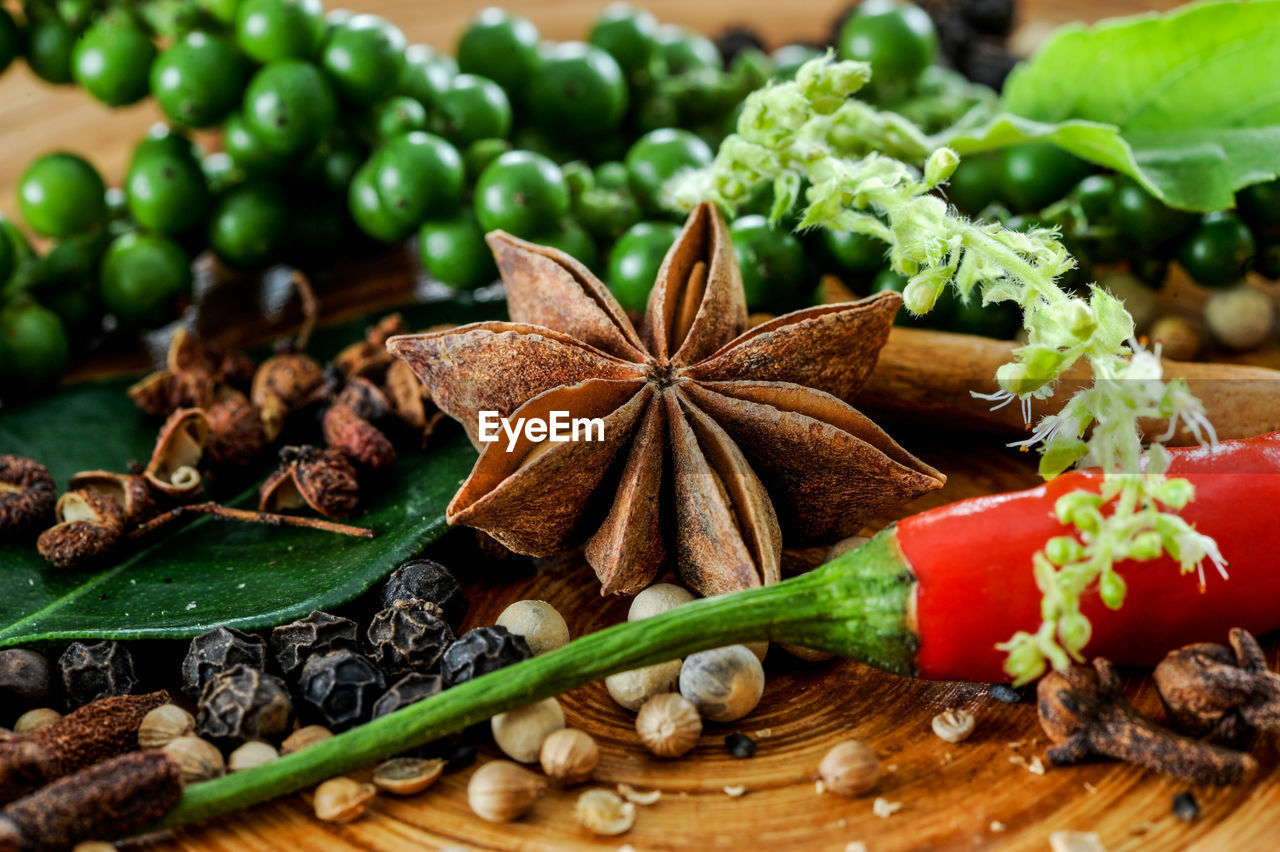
<point>370,356</point>
<point>90,525</point>
<point>111,800</point>
<point>409,398</point>
<point>236,433</point>
<point>93,733</point>
<point>284,384</point>
<point>174,466</point>
<point>27,495</point>
<point>358,439</point>
<point>322,480</point>
<point>364,398</point>
<point>132,493</point>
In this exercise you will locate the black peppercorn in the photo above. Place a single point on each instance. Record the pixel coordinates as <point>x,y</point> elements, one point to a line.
<point>291,645</point>
<point>740,745</point>
<point>93,670</point>
<point>409,636</point>
<point>243,704</point>
<point>24,677</point>
<point>427,581</point>
<point>480,651</point>
<point>409,689</point>
<point>339,688</point>
<point>455,753</point>
<point>1005,693</point>
<point>1185,806</point>
<point>217,651</point>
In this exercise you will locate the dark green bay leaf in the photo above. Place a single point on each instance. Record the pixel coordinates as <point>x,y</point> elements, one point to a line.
<point>210,572</point>
<point>1183,102</point>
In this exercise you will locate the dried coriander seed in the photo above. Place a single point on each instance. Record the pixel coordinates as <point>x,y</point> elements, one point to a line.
<point>631,689</point>
<point>34,720</point>
<point>339,688</point>
<point>24,677</point>
<point>850,769</point>
<point>93,670</point>
<point>669,725</point>
<point>409,689</point>
<point>725,684</point>
<point>569,756</point>
<point>251,755</point>
<point>199,759</point>
<point>740,745</point>
<point>409,636</point>
<point>501,791</point>
<point>953,725</point>
<point>541,625</point>
<point>480,651</point>
<point>604,812</point>
<point>217,651</point>
<point>521,733</point>
<point>342,799</point>
<point>292,644</point>
<point>244,704</point>
<point>305,737</point>
<point>407,776</point>
<point>425,580</point>
<point>165,724</point>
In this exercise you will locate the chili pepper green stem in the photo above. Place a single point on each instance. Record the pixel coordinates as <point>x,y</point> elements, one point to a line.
<point>854,606</point>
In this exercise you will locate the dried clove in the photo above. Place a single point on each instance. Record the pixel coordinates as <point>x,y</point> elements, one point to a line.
<point>1084,712</point>
<point>174,469</point>
<point>322,480</point>
<point>90,526</point>
<point>131,492</point>
<point>358,439</point>
<point>110,800</point>
<point>27,496</point>
<point>93,733</point>
<point>1222,694</point>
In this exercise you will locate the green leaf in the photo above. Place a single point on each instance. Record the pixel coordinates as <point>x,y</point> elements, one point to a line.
<point>209,572</point>
<point>1185,103</point>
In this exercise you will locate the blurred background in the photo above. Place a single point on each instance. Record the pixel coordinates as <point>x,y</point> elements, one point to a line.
<point>36,117</point>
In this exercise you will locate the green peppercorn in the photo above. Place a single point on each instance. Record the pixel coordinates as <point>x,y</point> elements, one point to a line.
<point>112,61</point>
<point>144,276</point>
<point>62,194</point>
<point>33,346</point>
<point>198,80</point>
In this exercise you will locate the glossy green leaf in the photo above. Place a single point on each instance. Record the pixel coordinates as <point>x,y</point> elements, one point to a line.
<point>207,572</point>
<point>1184,102</point>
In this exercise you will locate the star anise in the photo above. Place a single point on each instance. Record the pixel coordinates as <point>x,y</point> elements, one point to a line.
<point>703,421</point>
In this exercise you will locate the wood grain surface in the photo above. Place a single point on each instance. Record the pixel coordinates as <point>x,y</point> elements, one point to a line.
<point>982,793</point>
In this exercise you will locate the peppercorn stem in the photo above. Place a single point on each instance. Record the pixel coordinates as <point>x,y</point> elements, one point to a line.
<point>247,516</point>
<point>855,606</point>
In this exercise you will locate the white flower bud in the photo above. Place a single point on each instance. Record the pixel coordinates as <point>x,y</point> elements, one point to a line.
<point>940,166</point>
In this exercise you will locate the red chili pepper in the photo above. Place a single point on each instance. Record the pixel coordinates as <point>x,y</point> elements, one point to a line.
<point>975,588</point>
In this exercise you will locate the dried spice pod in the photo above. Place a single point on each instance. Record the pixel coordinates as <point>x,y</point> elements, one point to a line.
<point>93,733</point>
<point>427,580</point>
<point>189,379</point>
<point>131,492</point>
<point>724,437</point>
<point>243,704</point>
<point>369,357</point>
<point>27,497</point>
<point>236,433</point>
<point>94,670</point>
<point>321,480</point>
<point>284,384</point>
<point>114,799</point>
<point>409,636</point>
<point>90,525</point>
<point>409,689</point>
<point>339,688</point>
<point>358,439</point>
<point>160,393</point>
<point>480,651</point>
<point>292,644</point>
<point>174,469</point>
<point>410,401</point>
<point>364,398</point>
<point>219,650</point>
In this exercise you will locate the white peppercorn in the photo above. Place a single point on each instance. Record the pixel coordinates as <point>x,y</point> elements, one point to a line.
<point>251,755</point>
<point>632,689</point>
<point>724,684</point>
<point>657,599</point>
<point>520,733</point>
<point>1239,318</point>
<point>538,622</point>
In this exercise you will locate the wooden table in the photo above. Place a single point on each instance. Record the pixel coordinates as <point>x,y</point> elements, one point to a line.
<point>986,792</point>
